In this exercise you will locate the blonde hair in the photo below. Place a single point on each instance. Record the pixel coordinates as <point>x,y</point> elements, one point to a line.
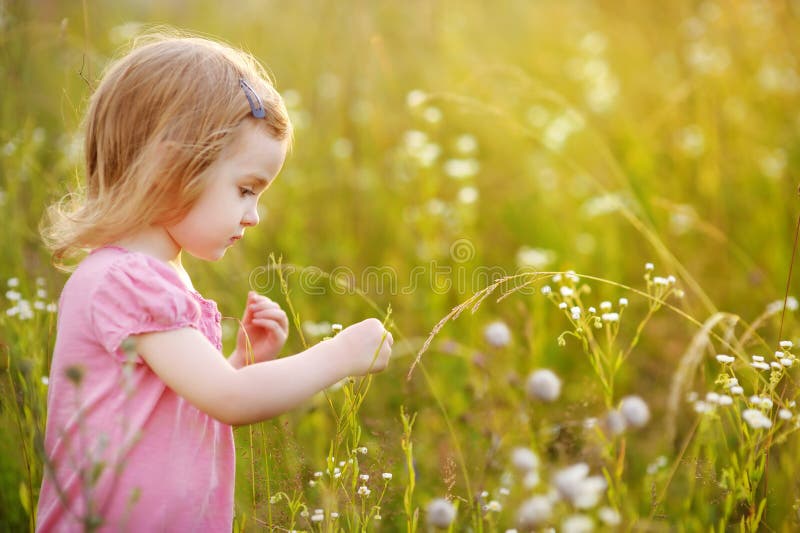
<point>160,116</point>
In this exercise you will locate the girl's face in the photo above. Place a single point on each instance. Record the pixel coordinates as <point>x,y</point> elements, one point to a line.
<point>228,205</point>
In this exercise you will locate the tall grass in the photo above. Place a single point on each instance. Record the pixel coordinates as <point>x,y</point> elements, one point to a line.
<point>592,137</point>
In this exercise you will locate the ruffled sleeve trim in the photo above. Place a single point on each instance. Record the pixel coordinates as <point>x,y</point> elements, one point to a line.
<point>139,294</point>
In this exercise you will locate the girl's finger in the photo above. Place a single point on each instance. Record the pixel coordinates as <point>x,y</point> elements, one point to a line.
<point>274,314</point>
<point>273,326</point>
<point>265,305</point>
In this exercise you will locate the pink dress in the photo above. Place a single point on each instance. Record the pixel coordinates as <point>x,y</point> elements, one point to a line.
<point>167,465</point>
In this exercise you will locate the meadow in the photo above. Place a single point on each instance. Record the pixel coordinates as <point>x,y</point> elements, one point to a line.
<point>576,217</point>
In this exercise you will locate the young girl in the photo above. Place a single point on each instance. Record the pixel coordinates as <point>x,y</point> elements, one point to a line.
<point>183,135</point>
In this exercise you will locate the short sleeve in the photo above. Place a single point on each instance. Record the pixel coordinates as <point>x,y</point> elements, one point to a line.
<point>138,295</point>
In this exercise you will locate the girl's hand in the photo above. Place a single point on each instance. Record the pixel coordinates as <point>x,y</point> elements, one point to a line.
<point>367,347</point>
<point>266,326</point>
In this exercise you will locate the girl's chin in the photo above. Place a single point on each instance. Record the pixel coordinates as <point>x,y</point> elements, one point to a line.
<point>209,255</point>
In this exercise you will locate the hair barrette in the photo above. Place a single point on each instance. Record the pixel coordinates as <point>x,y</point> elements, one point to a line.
<point>256,106</point>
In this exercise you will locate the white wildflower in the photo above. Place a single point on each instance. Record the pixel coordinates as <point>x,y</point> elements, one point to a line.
<point>605,306</point>
<point>566,292</point>
<point>543,385</point>
<point>736,389</point>
<point>649,267</point>
<point>786,345</point>
<point>45,380</point>
<point>363,490</point>
<point>786,361</point>
<point>610,317</point>
<point>724,359</point>
<point>364,477</point>
<point>493,507</point>
<point>546,289</point>
<point>387,476</point>
<point>703,407</point>
<point>623,302</point>
<point>760,365</point>
<point>756,419</point>
<point>724,399</point>
<point>785,414</point>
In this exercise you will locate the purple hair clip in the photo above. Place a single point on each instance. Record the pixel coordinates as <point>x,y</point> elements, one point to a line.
<point>252,98</point>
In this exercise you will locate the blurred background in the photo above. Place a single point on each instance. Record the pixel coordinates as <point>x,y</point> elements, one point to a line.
<point>443,137</point>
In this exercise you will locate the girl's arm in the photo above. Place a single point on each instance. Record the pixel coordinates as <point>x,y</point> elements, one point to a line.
<point>193,368</point>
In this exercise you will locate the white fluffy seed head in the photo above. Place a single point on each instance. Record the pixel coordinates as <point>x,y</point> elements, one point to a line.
<point>534,512</point>
<point>524,459</point>
<point>543,385</point>
<point>615,422</point>
<point>574,486</point>
<point>577,523</point>
<point>635,411</point>
<point>441,513</point>
<point>497,334</point>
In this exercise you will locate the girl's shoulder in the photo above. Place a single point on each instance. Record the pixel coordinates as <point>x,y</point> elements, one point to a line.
<point>115,293</point>
<point>113,262</point>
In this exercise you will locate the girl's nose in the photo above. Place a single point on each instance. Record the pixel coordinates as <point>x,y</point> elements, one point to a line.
<point>250,218</point>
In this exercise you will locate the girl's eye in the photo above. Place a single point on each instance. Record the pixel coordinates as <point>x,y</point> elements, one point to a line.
<point>244,191</point>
